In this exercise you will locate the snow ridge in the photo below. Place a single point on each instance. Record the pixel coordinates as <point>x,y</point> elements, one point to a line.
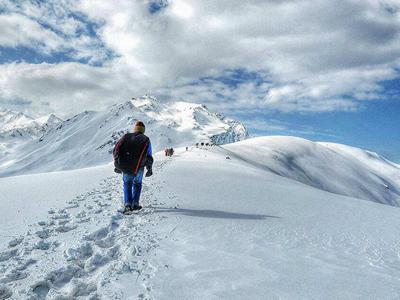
<point>335,168</point>
<point>17,129</point>
<point>18,124</point>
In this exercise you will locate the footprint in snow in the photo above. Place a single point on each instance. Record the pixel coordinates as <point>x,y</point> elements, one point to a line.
<point>84,220</point>
<point>17,273</point>
<point>5,292</point>
<point>42,245</point>
<point>15,242</point>
<point>44,233</point>
<point>62,215</point>
<point>66,227</point>
<point>100,259</point>
<point>8,254</point>
<point>55,279</point>
<point>79,254</point>
<point>13,275</point>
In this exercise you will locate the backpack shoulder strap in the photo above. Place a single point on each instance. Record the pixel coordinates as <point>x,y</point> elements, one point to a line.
<point>141,156</point>
<point>118,145</point>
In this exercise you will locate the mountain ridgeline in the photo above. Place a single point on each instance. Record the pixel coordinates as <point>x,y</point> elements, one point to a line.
<point>30,145</point>
<point>17,125</point>
<point>87,139</point>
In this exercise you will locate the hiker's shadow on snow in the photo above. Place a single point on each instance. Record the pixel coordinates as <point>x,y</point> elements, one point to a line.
<point>215,214</point>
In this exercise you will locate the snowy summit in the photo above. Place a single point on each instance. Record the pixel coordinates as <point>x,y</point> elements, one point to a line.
<point>87,139</point>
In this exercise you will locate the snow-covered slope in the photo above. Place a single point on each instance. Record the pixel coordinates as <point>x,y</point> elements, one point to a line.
<point>331,167</point>
<point>13,120</point>
<point>17,124</point>
<point>17,128</point>
<point>88,138</point>
<point>212,228</point>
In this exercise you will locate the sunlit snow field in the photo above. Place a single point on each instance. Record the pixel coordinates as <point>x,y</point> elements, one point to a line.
<point>218,223</point>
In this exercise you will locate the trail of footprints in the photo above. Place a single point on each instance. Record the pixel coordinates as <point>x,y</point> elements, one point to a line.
<point>102,254</point>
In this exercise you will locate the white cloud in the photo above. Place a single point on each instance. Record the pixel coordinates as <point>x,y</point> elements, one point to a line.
<point>17,30</point>
<point>313,55</point>
<point>49,27</point>
<point>182,9</point>
<point>67,87</point>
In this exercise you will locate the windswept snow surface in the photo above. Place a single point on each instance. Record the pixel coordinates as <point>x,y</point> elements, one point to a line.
<point>214,226</point>
<point>331,167</point>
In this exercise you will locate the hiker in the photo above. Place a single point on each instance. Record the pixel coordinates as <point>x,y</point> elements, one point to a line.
<point>131,154</point>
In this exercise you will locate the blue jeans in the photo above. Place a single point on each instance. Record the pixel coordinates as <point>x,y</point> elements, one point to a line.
<point>132,187</point>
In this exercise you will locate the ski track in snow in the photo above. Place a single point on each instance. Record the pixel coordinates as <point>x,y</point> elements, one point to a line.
<point>43,265</point>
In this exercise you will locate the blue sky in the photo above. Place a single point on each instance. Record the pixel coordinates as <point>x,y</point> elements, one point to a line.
<point>317,69</point>
<point>375,127</point>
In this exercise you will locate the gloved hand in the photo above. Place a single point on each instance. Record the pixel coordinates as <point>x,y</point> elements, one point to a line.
<point>149,173</point>
<point>117,171</point>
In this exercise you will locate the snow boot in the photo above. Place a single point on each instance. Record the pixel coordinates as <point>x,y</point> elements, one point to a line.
<point>127,209</point>
<point>137,207</point>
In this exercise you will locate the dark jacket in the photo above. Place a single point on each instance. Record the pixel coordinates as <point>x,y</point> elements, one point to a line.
<point>132,153</point>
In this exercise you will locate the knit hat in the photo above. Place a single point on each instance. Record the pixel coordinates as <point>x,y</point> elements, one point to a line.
<point>139,127</point>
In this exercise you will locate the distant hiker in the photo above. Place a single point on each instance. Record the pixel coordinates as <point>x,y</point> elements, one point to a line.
<point>131,154</point>
<point>169,151</point>
<point>187,148</point>
<point>202,144</point>
<point>197,145</point>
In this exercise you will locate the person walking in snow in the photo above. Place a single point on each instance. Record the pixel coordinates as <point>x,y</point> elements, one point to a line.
<point>132,153</point>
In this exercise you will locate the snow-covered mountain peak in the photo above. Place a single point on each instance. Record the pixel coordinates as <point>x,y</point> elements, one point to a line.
<point>12,120</point>
<point>147,103</point>
<point>116,108</point>
<point>50,120</point>
<point>88,138</point>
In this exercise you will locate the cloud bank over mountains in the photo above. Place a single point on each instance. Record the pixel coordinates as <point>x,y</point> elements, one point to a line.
<point>238,55</point>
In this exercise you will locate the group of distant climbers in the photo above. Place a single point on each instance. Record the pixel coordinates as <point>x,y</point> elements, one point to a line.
<point>170,151</point>
<point>204,144</point>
